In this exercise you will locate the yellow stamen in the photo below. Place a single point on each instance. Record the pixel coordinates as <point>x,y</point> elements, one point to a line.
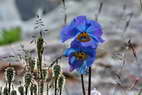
<point>80,55</point>
<point>84,37</point>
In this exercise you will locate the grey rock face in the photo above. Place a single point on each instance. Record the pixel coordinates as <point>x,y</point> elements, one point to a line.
<point>28,8</point>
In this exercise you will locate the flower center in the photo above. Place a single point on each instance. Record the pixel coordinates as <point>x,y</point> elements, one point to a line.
<point>84,37</point>
<point>80,55</point>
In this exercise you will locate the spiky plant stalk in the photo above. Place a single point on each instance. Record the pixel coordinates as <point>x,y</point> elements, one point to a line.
<point>57,71</point>
<point>40,50</point>
<point>13,92</point>
<point>27,79</point>
<point>10,75</point>
<point>21,90</point>
<point>61,82</point>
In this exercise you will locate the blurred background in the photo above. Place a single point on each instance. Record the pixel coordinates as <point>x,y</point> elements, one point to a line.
<point>117,69</point>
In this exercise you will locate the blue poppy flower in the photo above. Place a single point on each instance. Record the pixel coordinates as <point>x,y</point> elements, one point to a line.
<point>88,32</point>
<point>80,58</point>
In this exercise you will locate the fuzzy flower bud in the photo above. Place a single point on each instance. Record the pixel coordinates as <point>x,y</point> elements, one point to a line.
<point>61,82</point>
<point>10,74</point>
<point>27,78</point>
<point>57,70</point>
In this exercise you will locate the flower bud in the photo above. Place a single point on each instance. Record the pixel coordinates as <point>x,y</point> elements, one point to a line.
<point>61,82</point>
<point>27,78</point>
<point>10,74</point>
<point>57,71</point>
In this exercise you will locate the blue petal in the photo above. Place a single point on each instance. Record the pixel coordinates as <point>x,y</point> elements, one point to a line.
<point>83,69</point>
<point>92,43</point>
<point>97,39</point>
<point>74,63</point>
<point>68,32</point>
<point>86,64</point>
<point>76,44</point>
<point>80,23</point>
<point>69,51</point>
<point>95,28</point>
<point>89,47</point>
<point>90,61</point>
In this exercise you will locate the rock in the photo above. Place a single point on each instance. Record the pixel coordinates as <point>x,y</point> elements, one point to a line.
<point>29,8</point>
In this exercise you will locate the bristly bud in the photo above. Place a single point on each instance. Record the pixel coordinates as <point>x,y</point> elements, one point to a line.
<point>61,82</point>
<point>10,74</point>
<point>21,90</point>
<point>13,92</point>
<point>57,71</point>
<point>5,91</point>
<point>27,79</point>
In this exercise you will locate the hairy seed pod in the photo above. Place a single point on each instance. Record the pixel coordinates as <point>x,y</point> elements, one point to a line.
<point>10,74</point>
<point>21,90</point>
<point>27,78</point>
<point>57,71</point>
<point>61,82</point>
<point>13,92</point>
<point>5,91</point>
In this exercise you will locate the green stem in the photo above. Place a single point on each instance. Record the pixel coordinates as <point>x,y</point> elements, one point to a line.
<point>82,82</point>
<point>89,82</point>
